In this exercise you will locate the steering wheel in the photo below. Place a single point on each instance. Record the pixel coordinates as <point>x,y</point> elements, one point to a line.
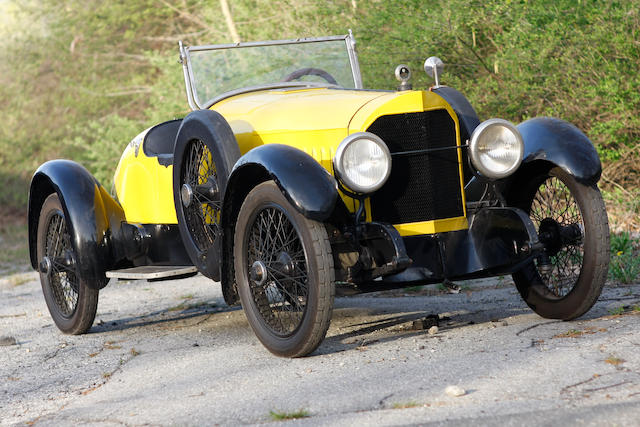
<point>310,72</point>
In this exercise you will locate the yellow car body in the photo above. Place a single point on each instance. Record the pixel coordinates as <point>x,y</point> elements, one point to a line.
<point>314,120</point>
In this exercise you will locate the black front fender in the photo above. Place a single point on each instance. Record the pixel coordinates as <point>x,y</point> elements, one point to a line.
<point>89,211</point>
<point>562,144</point>
<point>304,182</point>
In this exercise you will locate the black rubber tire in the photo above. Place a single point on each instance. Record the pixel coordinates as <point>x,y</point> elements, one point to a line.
<point>318,267</point>
<point>63,282</point>
<point>199,223</point>
<point>540,294</point>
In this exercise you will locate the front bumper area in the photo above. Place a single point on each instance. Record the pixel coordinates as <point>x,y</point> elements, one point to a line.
<point>367,251</point>
<point>498,241</point>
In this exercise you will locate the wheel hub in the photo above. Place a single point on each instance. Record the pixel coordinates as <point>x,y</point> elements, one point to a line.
<point>258,273</point>
<point>555,236</point>
<point>284,264</point>
<point>186,194</point>
<point>209,189</point>
<point>45,266</point>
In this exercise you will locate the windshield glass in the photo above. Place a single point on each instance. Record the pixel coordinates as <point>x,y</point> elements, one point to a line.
<point>216,70</point>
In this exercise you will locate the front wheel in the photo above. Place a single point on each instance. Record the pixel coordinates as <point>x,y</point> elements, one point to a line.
<point>284,271</point>
<point>566,279</point>
<point>71,302</point>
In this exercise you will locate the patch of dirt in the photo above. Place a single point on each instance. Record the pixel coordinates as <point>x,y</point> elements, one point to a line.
<point>12,216</point>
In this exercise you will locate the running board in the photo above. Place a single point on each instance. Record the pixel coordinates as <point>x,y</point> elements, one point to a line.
<point>152,272</point>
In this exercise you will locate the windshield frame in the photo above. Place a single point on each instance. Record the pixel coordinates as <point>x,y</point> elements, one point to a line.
<point>195,103</point>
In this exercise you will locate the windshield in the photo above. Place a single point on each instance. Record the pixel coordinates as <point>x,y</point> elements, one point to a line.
<point>214,72</point>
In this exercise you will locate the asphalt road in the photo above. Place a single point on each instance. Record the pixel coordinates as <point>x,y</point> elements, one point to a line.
<point>174,353</point>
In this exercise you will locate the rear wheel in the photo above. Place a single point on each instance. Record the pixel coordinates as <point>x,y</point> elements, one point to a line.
<point>204,154</point>
<point>71,302</point>
<point>199,195</point>
<point>284,270</point>
<point>567,278</point>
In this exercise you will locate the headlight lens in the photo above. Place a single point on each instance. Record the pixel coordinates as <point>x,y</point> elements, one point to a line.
<point>362,162</point>
<point>496,148</point>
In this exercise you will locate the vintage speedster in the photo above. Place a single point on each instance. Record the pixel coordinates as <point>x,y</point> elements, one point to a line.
<point>289,183</point>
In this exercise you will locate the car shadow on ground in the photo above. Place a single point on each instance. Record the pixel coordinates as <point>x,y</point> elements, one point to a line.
<point>396,326</point>
<point>200,313</point>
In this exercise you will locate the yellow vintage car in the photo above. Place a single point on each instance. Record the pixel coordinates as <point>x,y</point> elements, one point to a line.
<point>290,183</point>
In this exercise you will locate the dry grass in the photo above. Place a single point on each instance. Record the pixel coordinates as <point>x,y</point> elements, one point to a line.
<point>282,416</point>
<point>405,405</point>
<point>615,361</point>
<point>575,333</point>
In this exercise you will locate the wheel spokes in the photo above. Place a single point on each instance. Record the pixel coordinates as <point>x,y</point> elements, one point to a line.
<point>282,297</point>
<point>203,214</point>
<point>62,278</point>
<point>557,216</point>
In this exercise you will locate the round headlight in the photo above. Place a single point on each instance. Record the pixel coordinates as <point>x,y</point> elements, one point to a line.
<point>362,162</point>
<point>496,148</point>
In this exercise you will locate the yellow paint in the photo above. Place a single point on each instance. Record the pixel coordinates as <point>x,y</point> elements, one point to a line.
<point>144,188</point>
<point>312,120</point>
<point>431,227</point>
<point>412,102</point>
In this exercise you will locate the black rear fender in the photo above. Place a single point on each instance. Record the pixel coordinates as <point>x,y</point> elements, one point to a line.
<point>89,211</point>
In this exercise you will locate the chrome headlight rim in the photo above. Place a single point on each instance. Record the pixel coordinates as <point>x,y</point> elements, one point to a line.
<point>475,155</point>
<point>342,174</point>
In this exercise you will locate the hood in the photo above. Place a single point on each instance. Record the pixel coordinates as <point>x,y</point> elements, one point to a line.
<point>294,110</point>
<point>315,120</point>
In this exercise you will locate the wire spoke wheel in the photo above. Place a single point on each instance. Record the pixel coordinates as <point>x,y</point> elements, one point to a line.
<point>281,295</point>
<point>554,208</point>
<point>565,279</point>
<point>62,278</point>
<point>204,154</point>
<point>72,304</point>
<point>284,272</point>
<point>202,211</point>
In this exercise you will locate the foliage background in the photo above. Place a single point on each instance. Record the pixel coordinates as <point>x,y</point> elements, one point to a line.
<point>80,78</point>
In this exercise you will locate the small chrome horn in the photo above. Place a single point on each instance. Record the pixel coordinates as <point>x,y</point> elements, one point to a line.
<point>433,66</point>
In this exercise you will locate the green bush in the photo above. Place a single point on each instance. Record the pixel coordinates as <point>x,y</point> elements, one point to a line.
<point>625,262</point>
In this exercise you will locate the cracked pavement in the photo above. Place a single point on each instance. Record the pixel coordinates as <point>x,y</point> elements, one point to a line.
<point>173,353</point>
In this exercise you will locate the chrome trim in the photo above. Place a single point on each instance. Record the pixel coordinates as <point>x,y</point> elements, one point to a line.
<point>266,43</point>
<point>45,266</point>
<point>186,195</point>
<point>192,96</point>
<point>403,74</point>
<point>433,66</point>
<point>192,80</point>
<point>258,273</point>
<point>353,59</point>
<point>337,161</point>
<point>187,81</point>
<point>477,133</point>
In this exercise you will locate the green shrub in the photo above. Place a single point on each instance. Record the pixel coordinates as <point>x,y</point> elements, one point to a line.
<point>625,263</point>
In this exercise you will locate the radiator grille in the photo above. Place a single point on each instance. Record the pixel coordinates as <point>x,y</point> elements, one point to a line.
<point>422,186</point>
